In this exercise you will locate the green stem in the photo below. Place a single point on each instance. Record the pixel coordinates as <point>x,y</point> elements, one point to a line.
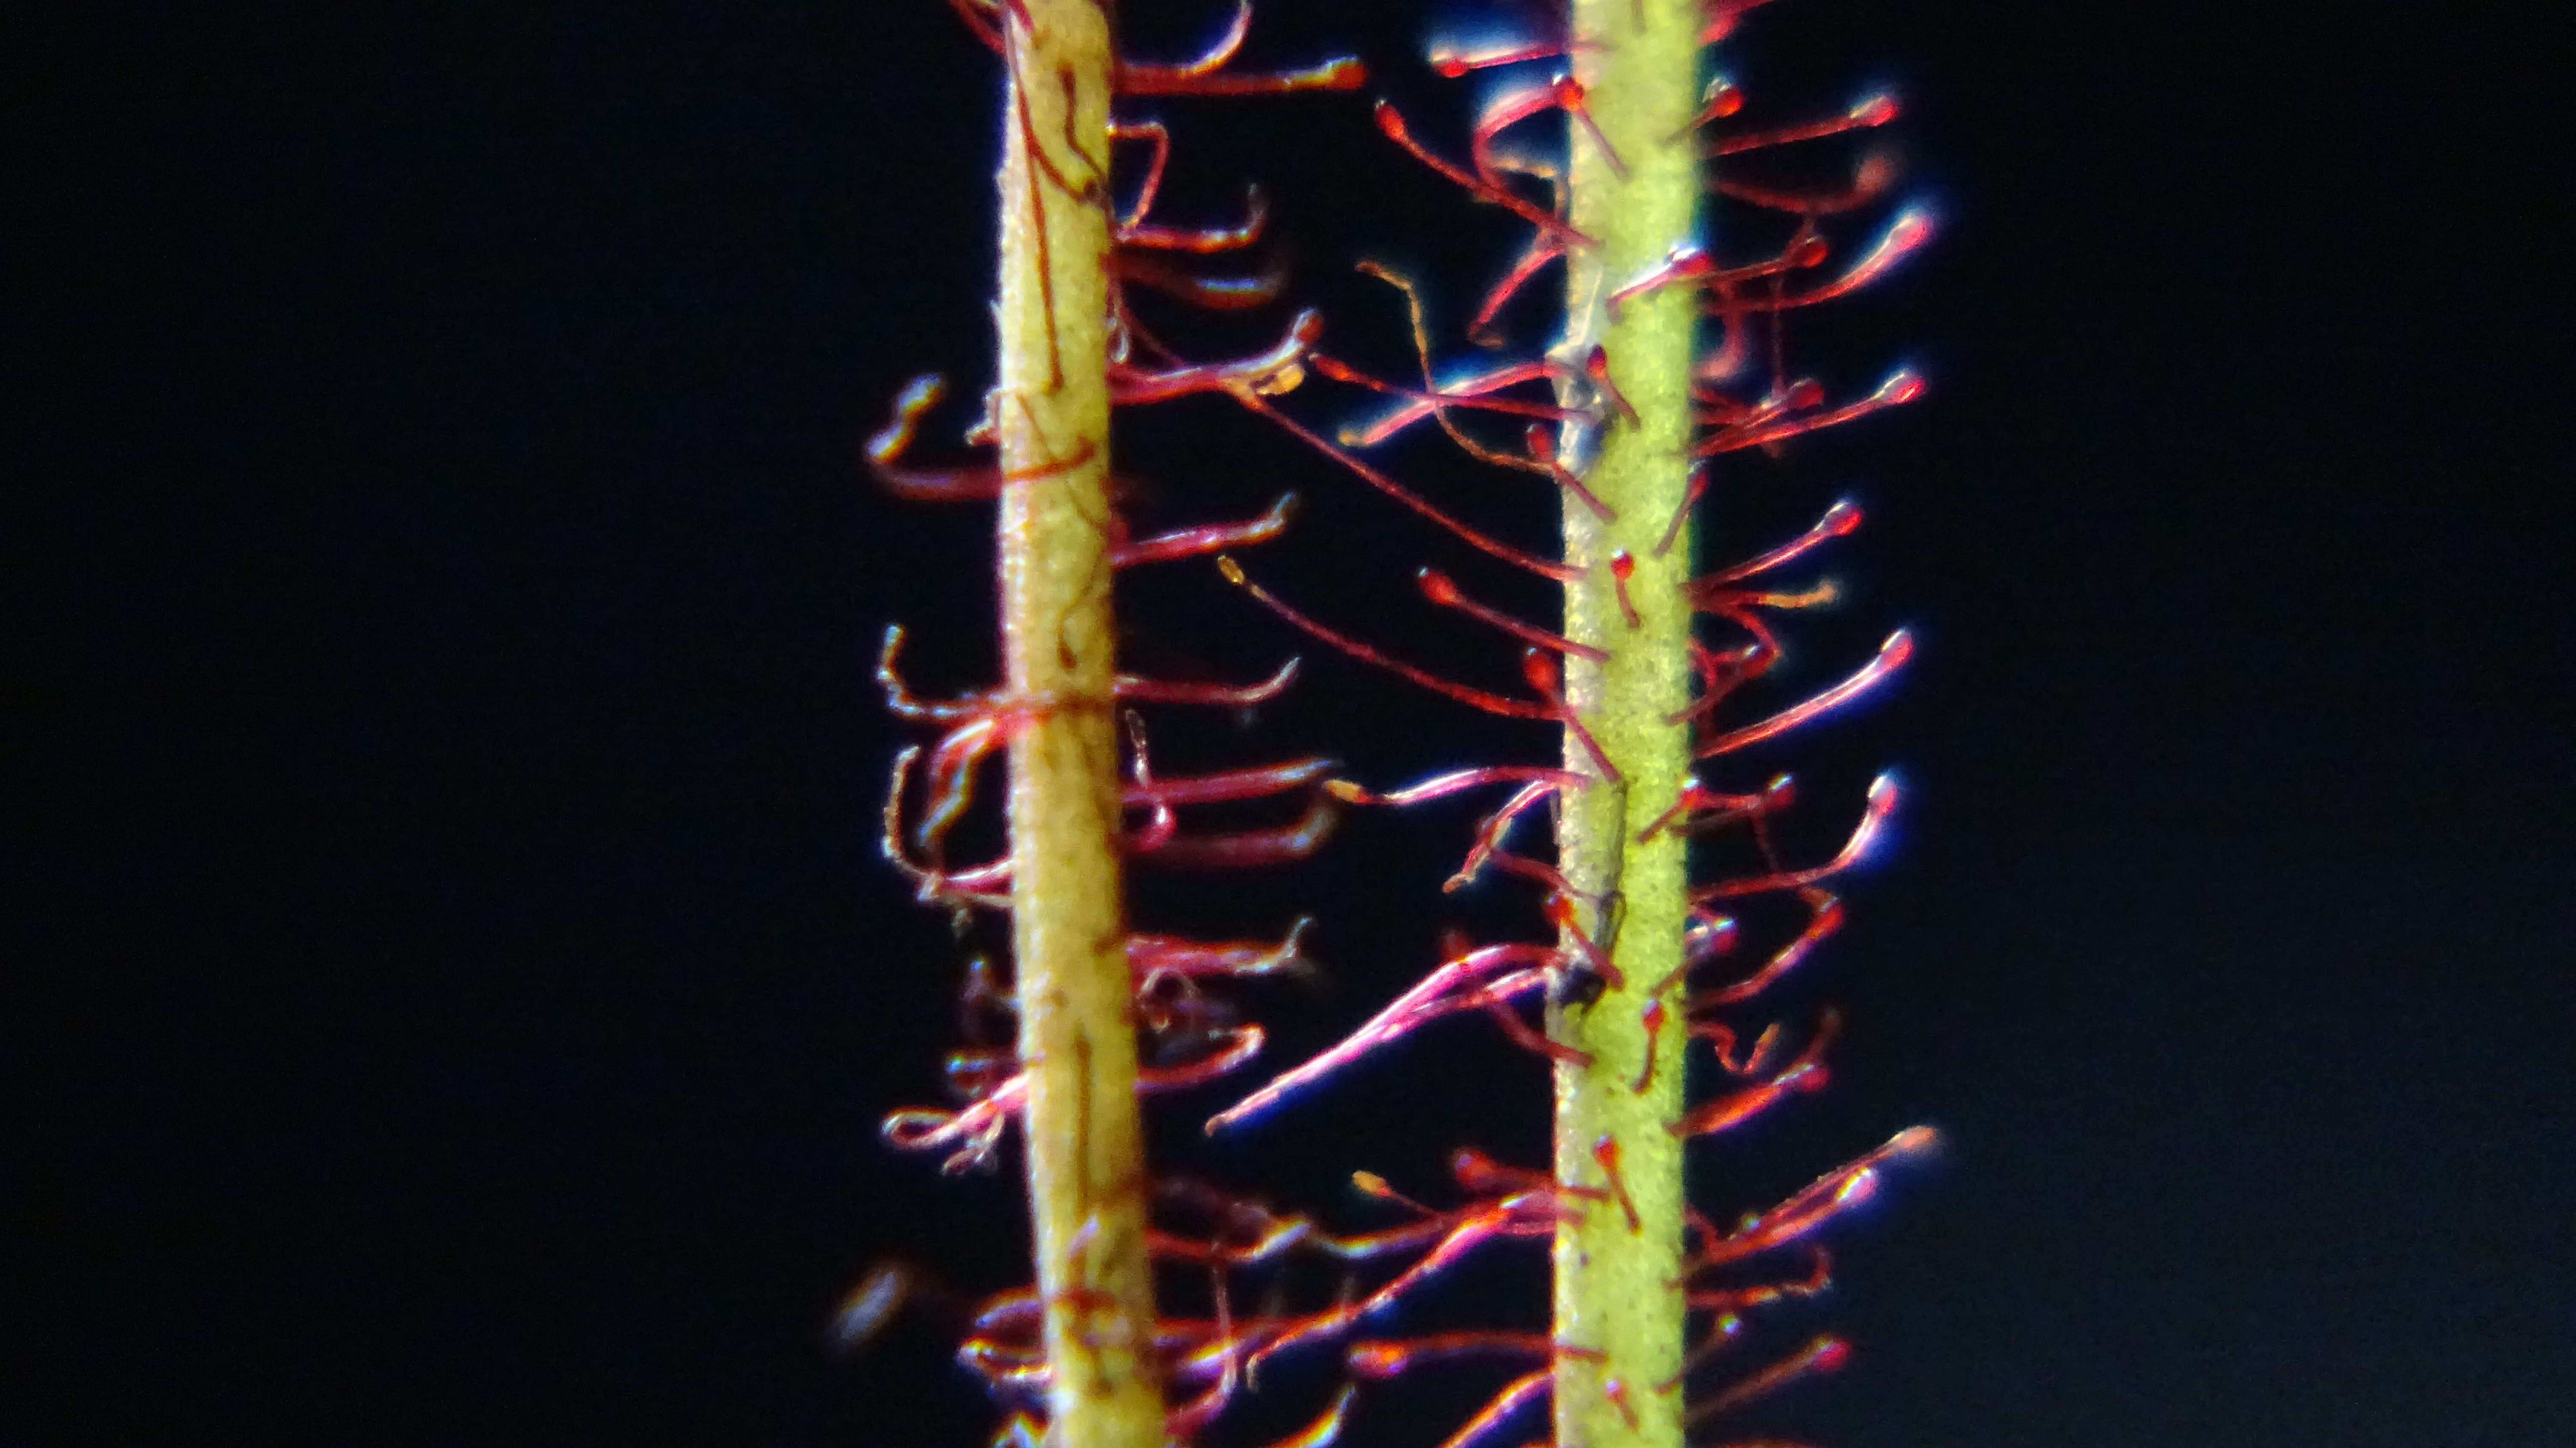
<point>1086,1172</point>
<point>1618,1262</point>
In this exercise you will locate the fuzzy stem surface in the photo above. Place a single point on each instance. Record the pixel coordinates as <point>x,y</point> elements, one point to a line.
<point>1617,1276</point>
<point>1077,1041</point>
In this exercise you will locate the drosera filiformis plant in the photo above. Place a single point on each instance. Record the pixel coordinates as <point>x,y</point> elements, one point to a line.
<point>1667,366</point>
<point>1084,1356</point>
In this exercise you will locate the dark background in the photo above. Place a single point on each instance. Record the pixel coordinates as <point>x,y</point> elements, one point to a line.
<point>448,972</point>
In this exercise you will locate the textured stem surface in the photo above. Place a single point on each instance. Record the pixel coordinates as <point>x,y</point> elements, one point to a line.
<point>1087,1181</point>
<point>1618,1263</point>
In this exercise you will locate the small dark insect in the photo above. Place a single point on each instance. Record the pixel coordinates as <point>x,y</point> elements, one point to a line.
<point>1576,986</point>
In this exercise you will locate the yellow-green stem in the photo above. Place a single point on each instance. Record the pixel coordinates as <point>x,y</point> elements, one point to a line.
<point>1618,1261</point>
<point>1087,1183</point>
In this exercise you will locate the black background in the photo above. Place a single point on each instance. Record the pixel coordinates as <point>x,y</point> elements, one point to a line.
<point>452,980</point>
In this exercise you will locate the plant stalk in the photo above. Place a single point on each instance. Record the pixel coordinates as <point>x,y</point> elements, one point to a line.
<point>1617,1262</point>
<point>1077,1041</point>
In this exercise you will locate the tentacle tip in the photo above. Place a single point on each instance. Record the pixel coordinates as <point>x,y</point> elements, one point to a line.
<point>1876,109</point>
<point>1878,170</point>
<point>1342,72</point>
<point>1374,1359</point>
<point>1885,793</point>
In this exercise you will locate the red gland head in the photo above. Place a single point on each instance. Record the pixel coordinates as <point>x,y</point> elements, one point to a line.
<point>1539,667</point>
